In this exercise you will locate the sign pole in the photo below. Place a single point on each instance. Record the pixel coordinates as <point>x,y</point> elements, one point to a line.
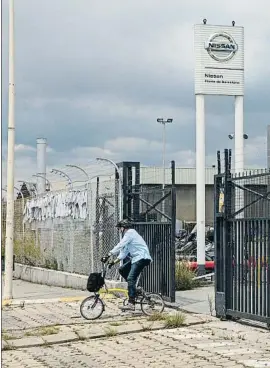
<point>219,70</point>
<point>238,135</point>
<point>200,183</point>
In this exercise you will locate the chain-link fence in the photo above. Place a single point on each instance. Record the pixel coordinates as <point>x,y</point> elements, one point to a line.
<point>68,230</point>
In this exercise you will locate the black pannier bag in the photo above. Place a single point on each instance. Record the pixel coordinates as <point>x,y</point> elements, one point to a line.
<point>95,282</point>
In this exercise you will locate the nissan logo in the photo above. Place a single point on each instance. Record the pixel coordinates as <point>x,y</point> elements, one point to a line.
<point>221,46</point>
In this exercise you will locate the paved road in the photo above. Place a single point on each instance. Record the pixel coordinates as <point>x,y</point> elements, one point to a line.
<point>217,344</point>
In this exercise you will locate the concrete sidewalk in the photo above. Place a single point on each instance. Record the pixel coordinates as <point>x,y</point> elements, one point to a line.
<point>208,345</point>
<point>194,301</point>
<point>24,291</point>
<point>52,323</point>
<point>199,300</point>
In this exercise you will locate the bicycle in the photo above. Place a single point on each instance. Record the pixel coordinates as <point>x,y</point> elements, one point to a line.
<point>150,303</point>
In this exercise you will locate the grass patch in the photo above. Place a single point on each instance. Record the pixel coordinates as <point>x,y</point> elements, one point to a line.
<point>115,324</point>
<point>184,277</point>
<point>6,336</point>
<point>8,347</point>
<point>110,332</point>
<point>147,327</point>
<point>175,320</point>
<point>157,317</point>
<point>43,331</point>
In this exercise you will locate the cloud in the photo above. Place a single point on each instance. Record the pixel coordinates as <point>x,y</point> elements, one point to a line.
<point>93,77</point>
<point>23,148</point>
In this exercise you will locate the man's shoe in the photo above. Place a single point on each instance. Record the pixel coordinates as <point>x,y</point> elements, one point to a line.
<point>128,307</point>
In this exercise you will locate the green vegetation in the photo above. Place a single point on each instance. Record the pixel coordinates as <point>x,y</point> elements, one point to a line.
<point>184,277</point>
<point>175,320</point>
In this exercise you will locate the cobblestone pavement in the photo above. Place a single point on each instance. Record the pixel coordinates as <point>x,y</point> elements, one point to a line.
<point>217,344</point>
<point>36,315</point>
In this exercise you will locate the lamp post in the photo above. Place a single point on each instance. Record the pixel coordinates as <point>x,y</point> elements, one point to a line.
<point>43,177</point>
<point>119,181</point>
<point>64,175</point>
<point>164,122</point>
<point>9,241</point>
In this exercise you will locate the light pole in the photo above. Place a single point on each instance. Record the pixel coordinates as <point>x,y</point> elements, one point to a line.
<point>9,241</point>
<point>164,122</point>
<point>43,177</point>
<point>81,169</point>
<point>119,182</point>
<point>64,175</point>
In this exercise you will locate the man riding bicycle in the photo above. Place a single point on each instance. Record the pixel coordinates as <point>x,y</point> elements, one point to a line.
<point>134,246</point>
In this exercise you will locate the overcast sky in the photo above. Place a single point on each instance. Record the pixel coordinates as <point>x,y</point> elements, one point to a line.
<point>93,76</point>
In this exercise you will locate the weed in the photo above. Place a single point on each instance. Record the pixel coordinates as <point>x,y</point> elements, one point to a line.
<point>8,347</point>
<point>43,331</point>
<point>175,320</point>
<point>210,304</point>
<point>6,336</point>
<point>110,332</point>
<point>116,324</point>
<point>184,277</point>
<point>147,327</point>
<point>157,317</point>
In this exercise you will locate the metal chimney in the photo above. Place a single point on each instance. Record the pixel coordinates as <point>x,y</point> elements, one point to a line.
<point>268,147</point>
<point>41,165</point>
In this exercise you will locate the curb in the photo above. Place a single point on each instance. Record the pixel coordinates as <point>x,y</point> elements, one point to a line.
<point>75,336</point>
<point>22,302</point>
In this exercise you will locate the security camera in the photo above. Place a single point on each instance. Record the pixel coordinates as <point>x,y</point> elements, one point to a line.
<point>231,136</point>
<point>233,23</point>
<point>204,21</point>
<point>245,136</point>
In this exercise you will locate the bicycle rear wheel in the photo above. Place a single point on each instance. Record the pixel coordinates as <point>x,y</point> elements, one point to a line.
<point>92,307</point>
<point>152,303</point>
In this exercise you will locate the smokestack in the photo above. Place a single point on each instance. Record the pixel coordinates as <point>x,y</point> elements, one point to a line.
<point>41,165</point>
<point>268,147</point>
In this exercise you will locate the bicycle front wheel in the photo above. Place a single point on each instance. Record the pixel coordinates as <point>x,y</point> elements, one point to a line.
<point>152,303</point>
<point>92,307</point>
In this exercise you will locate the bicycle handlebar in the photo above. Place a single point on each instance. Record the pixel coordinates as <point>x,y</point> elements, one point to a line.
<point>105,259</point>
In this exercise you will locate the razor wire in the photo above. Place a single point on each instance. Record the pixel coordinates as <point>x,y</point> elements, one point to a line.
<point>68,243</point>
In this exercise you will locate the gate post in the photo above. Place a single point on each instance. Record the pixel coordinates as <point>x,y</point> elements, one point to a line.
<point>173,225</point>
<point>219,231</point>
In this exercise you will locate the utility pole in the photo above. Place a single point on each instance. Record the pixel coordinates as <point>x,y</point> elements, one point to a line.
<point>10,163</point>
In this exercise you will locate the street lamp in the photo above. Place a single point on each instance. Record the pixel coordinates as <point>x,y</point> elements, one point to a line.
<point>64,175</point>
<point>43,177</point>
<point>164,122</point>
<point>81,169</point>
<point>119,181</point>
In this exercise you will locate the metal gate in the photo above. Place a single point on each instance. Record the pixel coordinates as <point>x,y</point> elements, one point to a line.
<point>242,238</point>
<point>152,210</point>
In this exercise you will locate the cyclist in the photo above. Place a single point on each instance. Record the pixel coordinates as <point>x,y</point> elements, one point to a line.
<point>134,246</point>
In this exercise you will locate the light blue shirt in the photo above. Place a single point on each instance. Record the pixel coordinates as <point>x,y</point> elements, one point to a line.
<point>133,244</point>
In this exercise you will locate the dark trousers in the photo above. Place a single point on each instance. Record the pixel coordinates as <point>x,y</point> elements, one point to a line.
<point>130,272</point>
